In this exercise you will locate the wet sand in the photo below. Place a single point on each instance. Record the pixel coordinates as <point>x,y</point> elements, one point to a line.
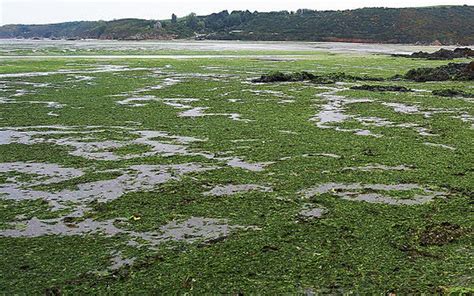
<point>70,47</point>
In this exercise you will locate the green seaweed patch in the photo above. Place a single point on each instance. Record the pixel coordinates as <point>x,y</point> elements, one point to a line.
<point>11,211</point>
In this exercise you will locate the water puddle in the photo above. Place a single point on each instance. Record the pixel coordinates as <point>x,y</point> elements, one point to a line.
<point>51,113</point>
<point>330,155</point>
<point>382,122</point>
<point>225,190</point>
<point>199,112</point>
<point>137,101</point>
<point>92,147</point>
<point>378,167</point>
<point>333,112</point>
<point>266,92</point>
<point>309,212</point>
<point>377,193</point>
<point>76,46</point>
<point>48,104</point>
<point>236,162</point>
<point>96,69</point>
<point>440,146</point>
<point>165,83</point>
<point>86,142</point>
<point>466,118</point>
<point>402,108</point>
<point>48,173</point>
<point>132,179</point>
<point>136,178</point>
<point>80,78</point>
<point>118,261</point>
<point>190,230</point>
<point>288,132</point>
<point>413,109</point>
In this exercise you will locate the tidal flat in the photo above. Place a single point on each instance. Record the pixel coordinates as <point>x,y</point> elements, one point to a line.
<point>161,174</point>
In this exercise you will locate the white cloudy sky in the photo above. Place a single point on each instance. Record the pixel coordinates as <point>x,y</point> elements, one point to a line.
<point>50,11</point>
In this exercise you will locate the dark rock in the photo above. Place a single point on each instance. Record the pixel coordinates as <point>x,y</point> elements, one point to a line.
<point>440,234</point>
<point>282,77</point>
<point>341,76</point>
<point>442,54</point>
<point>269,248</point>
<point>381,88</point>
<point>53,291</point>
<point>451,71</point>
<point>452,93</point>
<point>305,76</point>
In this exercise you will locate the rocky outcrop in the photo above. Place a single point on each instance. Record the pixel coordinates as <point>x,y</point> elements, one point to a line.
<point>305,76</point>
<point>452,93</point>
<point>381,88</point>
<point>442,54</point>
<point>451,71</point>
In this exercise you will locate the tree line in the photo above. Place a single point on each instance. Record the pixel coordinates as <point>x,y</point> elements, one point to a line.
<point>444,24</point>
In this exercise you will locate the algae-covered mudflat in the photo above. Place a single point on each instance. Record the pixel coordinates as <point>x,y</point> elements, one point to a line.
<point>174,174</point>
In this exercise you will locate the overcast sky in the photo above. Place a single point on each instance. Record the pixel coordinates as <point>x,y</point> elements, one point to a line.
<point>53,11</point>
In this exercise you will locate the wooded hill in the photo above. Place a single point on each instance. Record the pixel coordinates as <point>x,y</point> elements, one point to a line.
<point>438,24</point>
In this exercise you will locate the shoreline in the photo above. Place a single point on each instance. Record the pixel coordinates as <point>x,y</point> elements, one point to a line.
<point>179,47</point>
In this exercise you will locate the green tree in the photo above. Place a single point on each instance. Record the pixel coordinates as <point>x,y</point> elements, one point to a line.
<point>192,21</point>
<point>233,19</point>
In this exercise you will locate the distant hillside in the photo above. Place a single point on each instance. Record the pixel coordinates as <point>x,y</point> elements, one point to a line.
<point>117,29</point>
<point>438,24</point>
